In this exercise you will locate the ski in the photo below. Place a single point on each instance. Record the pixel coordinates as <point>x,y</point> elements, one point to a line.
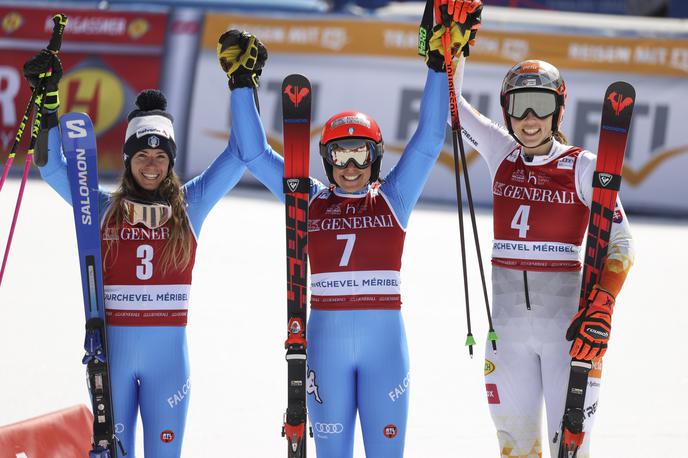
<point>617,111</point>
<point>296,112</point>
<point>79,146</point>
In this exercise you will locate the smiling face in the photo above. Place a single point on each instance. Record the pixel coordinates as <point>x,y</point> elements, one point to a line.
<point>351,178</point>
<point>149,168</point>
<point>532,131</point>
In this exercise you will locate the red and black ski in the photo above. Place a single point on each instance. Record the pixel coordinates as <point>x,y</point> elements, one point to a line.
<point>296,112</point>
<point>617,111</point>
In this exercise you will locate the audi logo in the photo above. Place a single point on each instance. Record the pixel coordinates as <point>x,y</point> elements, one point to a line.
<point>329,428</point>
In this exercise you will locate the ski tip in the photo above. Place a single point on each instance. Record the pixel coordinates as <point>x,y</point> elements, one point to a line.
<point>296,79</point>
<point>623,87</point>
<point>295,75</point>
<point>75,115</point>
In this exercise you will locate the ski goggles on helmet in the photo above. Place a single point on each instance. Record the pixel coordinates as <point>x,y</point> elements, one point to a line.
<point>359,151</point>
<point>541,103</point>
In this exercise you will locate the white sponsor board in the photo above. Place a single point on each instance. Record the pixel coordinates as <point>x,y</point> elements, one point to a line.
<point>389,89</point>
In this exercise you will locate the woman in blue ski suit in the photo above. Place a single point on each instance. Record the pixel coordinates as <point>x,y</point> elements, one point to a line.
<point>149,230</point>
<point>357,350</point>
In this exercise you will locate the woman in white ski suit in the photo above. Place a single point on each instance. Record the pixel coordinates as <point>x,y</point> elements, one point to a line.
<point>542,191</point>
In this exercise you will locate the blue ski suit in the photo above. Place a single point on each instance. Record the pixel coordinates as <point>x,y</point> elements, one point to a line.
<point>149,365</point>
<point>358,357</point>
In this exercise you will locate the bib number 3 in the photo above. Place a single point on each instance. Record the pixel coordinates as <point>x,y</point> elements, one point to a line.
<point>144,271</point>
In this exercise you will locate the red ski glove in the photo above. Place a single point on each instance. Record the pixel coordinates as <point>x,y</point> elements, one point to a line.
<point>459,10</point>
<point>590,328</point>
<point>462,17</point>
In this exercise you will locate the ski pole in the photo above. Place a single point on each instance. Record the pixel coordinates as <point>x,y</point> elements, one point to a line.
<point>457,140</point>
<point>18,137</point>
<point>60,21</point>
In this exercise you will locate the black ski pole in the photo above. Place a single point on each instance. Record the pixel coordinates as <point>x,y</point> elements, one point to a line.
<point>458,148</point>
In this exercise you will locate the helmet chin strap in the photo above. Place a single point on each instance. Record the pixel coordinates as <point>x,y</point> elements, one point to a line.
<point>546,140</point>
<point>549,138</point>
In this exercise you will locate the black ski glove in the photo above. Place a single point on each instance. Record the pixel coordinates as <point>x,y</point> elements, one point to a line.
<point>242,56</point>
<point>46,68</point>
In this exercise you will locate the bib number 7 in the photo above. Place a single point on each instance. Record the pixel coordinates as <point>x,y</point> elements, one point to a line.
<point>348,248</point>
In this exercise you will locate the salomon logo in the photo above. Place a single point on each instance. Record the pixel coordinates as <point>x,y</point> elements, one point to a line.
<point>84,192</point>
<point>76,128</point>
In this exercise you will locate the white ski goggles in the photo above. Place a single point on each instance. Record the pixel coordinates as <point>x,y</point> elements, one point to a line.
<point>541,103</point>
<point>150,215</point>
<point>340,153</point>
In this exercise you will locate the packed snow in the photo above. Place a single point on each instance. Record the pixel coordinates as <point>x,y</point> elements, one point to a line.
<point>237,328</point>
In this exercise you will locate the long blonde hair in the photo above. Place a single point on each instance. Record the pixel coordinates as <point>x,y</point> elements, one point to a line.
<point>177,252</point>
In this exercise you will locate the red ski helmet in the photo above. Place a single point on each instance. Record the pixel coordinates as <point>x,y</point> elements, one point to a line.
<point>527,79</point>
<point>352,125</point>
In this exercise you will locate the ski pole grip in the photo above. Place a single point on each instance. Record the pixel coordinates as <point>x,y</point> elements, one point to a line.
<point>60,21</point>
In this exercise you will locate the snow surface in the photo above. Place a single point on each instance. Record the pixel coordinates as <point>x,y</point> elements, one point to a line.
<point>237,331</point>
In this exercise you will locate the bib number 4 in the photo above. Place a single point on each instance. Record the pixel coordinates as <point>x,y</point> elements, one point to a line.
<point>520,220</point>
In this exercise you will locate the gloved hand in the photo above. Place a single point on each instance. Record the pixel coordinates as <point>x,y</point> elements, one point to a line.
<point>591,326</point>
<point>463,19</point>
<point>46,68</point>
<point>242,56</point>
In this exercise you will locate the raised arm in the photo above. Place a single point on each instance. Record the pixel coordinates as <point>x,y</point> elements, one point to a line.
<point>488,138</point>
<point>263,162</point>
<point>49,158</point>
<point>205,190</point>
<point>405,182</point>
<point>242,57</point>
<point>54,169</point>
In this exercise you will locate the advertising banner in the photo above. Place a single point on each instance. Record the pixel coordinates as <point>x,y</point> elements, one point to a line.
<point>373,67</point>
<point>108,57</point>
